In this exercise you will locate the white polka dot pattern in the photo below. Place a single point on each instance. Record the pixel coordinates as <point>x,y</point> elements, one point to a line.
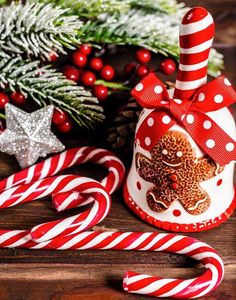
<point>227,82</point>
<point>139,87</point>
<point>158,89</point>
<point>210,143</point>
<point>190,119</point>
<point>178,101</point>
<point>207,124</point>
<point>201,97</point>
<point>147,141</point>
<point>218,98</point>
<point>150,122</point>
<point>166,119</point>
<point>229,147</point>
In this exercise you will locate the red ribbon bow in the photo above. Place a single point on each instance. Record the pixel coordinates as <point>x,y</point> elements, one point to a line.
<point>191,114</point>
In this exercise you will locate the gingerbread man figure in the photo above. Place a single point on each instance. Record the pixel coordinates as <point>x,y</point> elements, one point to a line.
<point>176,174</point>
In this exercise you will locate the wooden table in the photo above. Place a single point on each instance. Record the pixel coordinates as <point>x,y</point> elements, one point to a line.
<point>70,275</point>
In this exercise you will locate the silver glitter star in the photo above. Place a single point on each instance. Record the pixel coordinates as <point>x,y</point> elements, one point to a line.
<point>28,135</point>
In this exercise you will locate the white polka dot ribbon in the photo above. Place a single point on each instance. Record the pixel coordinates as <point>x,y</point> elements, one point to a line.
<point>191,114</point>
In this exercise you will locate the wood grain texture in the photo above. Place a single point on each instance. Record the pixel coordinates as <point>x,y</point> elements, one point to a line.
<point>79,275</point>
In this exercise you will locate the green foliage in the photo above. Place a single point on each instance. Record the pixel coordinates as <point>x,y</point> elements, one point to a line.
<point>153,24</point>
<point>90,9</point>
<point>37,30</point>
<point>46,85</point>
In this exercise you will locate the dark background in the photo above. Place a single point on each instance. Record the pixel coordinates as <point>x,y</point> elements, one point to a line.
<point>71,275</point>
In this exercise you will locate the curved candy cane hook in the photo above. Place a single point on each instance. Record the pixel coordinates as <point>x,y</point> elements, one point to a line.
<point>149,241</point>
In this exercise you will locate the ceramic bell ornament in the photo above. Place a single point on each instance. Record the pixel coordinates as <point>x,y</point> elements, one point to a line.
<point>181,177</point>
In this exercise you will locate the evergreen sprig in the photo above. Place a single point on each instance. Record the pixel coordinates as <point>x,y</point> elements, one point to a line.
<point>46,85</point>
<point>153,24</point>
<point>37,29</point>
<point>90,9</point>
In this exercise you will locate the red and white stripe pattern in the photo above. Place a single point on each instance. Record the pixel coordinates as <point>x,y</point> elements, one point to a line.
<point>68,233</point>
<point>64,160</point>
<point>149,241</point>
<point>196,36</point>
<point>33,183</point>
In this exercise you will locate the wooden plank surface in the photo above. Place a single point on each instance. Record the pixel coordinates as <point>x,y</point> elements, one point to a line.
<point>72,275</point>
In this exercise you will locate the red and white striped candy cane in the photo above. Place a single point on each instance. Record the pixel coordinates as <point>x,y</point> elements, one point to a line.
<point>31,184</point>
<point>196,36</point>
<point>66,234</point>
<point>64,183</point>
<point>149,241</point>
<point>64,160</point>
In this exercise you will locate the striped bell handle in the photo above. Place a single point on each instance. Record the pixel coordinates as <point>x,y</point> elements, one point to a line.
<point>193,97</point>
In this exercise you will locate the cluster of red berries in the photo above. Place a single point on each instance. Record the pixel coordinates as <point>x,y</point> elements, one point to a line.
<point>15,97</point>
<point>141,69</point>
<point>86,69</point>
<point>62,120</point>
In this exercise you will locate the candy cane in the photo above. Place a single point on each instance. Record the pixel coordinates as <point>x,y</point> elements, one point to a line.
<point>149,241</point>
<point>196,36</point>
<point>66,159</point>
<point>31,184</point>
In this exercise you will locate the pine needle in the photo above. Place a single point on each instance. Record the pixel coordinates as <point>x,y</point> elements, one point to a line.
<point>37,29</point>
<point>48,86</point>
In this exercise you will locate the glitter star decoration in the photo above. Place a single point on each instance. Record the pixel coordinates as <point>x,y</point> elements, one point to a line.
<point>28,136</point>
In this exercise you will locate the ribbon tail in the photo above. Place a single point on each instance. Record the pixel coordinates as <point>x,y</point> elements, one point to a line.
<point>210,137</point>
<point>217,94</point>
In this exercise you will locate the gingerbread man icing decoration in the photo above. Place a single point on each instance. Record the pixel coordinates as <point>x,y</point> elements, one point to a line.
<point>181,178</point>
<point>176,173</point>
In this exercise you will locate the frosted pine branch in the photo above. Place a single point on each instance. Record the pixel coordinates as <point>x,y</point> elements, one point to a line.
<point>48,86</point>
<point>156,31</point>
<point>92,8</point>
<point>36,29</point>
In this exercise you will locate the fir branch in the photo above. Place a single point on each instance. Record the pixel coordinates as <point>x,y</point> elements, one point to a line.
<point>153,24</point>
<point>90,9</point>
<point>46,85</point>
<point>156,31</point>
<point>166,6</point>
<point>36,29</point>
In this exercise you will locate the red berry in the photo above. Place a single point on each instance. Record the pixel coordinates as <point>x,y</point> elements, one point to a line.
<point>65,127</point>
<point>59,117</point>
<point>86,49</point>
<point>18,98</point>
<point>88,78</point>
<point>107,72</point>
<point>129,68</point>
<point>143,55</point>
<point>168,66</point>
<point>142,71</point>
<point>53,56</point>
<point>4,99</point>
<point>96,63</point>
<point>100,91</point>
<point>79,58</point>
<point>71,73</point>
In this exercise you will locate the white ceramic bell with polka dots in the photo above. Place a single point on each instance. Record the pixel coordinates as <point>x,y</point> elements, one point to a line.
<point>173,183</point>
<point>157,180</point>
